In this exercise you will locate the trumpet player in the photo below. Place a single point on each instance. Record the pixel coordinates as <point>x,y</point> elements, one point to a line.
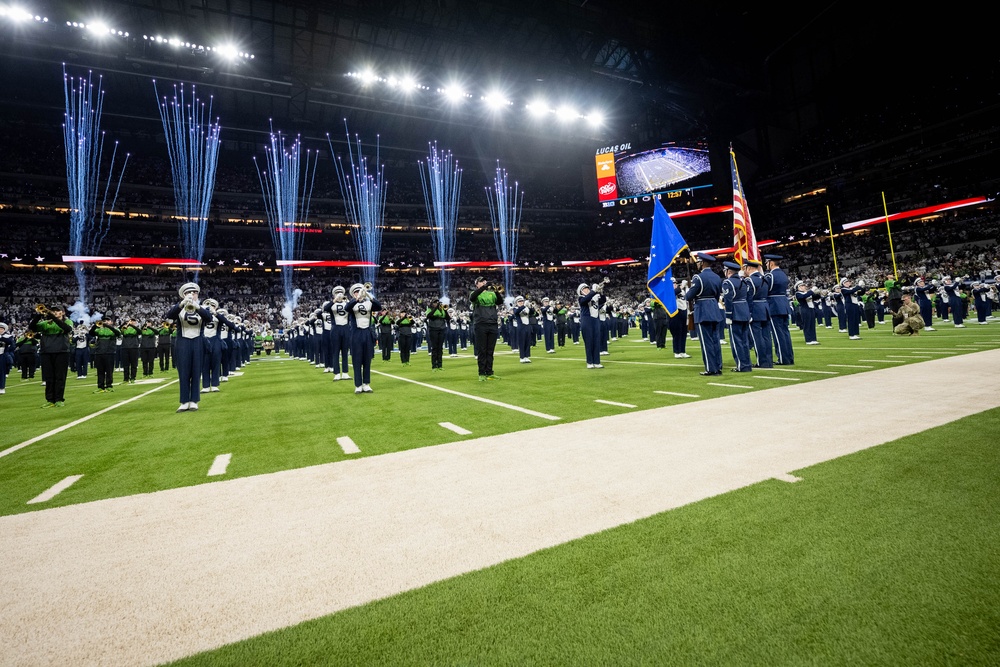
<point>6,355</point>
<point>147,348</point>
<point>485,300</point>
<point>340,333</point>
<point>81,352</point>
<point>523,311</point>
<point>361,306</point>
<point>590,323</point>
<point>130,350</point>
<point>54,330</point>
<point>105,335</point>
<point>548,315</point>
<point>189,352</point>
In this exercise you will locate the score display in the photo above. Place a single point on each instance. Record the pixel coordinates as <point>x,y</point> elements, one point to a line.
<point>672,170</point>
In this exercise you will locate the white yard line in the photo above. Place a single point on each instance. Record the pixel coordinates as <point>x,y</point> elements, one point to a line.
<point>882,361</point>
<point>620,405</point>
<point>800,370</point>
<point>675,393</point>
<point>786,477</point>
<point>533,413</point>
<point>347,445</point>
<point>55,490</point>
<point>455,428</point>
<point>848,366</point>
<point>734,386</point>
<point>55,431</point>
<point>219,465</point>
<point>771,377</point>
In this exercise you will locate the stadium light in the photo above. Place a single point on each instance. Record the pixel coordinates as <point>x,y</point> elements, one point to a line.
<point>453,93</point>
<point>537,108</point>
<point>595,119</point>
<point>368,77</point>
<point>228,52</point>
<point>15,14</point>
<point>99,28</point>
<point>495,101</point>
<point>566,113</point>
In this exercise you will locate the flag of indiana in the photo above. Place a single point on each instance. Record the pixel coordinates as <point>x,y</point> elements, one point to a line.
<point>744,240</point>
<point>665,246</point>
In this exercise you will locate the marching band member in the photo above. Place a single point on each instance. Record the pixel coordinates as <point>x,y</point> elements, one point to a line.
<point>130,350</point>
<point>523,311</point>
<point>451,333</point>
<point>6,355</point>
<point>164,345</point>
<point>806,298</point>
<point>81,352</point>
<point>437,324</point>
<point>54,329</point>
<point>954,299</point>
<point>404,325</point>
<point>678,323</point>
<point>548,326</point>
<point>147,348</point>
<point>211,369</point>
<point>189,353</point>
<point>361,306</point>
<point>704,292</point>
<point>852,306</point>
<point>326,338</point>
<point>340,333</point>
<point>105,336</point>
<point>981,297</point>
<point>923,293</point>
<point>485,300</point>
<point>590,323</point>
<point>385,322</point>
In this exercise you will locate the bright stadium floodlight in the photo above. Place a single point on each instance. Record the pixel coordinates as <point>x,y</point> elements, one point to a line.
<point>453,93</point>
<point>16,14</point>
<point>495,101</point>
<point>228,52</point>
<point>595,119</point>
<point>566,113</point>
<point>368,76</point>
<point>99,28</point>
<point>538,108</point>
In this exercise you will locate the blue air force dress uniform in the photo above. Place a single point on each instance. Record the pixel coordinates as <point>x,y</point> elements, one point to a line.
<point>734,299</point>
<point>703,295</point>
<point>779,311</point>
<point>760,328</point>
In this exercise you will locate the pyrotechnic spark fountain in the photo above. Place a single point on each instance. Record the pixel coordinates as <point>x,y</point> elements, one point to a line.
<point>193,145</point>
<point>505,202</point>
<point>287,185</point>
<point>441,180</point>
<point>83,141</point>
<point>364,194</point>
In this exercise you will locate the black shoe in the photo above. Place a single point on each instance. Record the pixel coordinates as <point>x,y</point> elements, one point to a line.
<point>710,373</point>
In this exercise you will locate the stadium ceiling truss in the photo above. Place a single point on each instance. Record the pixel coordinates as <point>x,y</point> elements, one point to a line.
<point>302,51</point>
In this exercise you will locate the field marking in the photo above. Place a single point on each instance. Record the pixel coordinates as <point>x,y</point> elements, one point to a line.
<point>734,386</point>
<point>55,490</point>
<point>635,363</point>
<point>801,370</point>
<point>675,393</point>
<point>455,428</point>
<point>219,465</point>
<point>848,366</point>
<point>620,405</point>
<point>11,450</point>
<point>772,377</point>
<point>882,361</point>
<point>785,477</point>
<point>907,356</point>
<point>348,445</point>
<point>500,404</point>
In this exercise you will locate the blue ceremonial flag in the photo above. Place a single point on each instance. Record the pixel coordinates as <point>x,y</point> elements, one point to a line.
<point>665,246</point>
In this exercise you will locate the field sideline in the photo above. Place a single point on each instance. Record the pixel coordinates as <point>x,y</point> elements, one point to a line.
<point>287,416</point>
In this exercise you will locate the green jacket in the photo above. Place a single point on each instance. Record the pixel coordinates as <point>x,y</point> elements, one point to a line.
<point>55,334</point>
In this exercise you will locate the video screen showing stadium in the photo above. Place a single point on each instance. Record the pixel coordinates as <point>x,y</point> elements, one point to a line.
<point>624,173</point>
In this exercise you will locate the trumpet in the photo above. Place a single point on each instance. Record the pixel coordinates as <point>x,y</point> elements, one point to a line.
<point>188,305</point>
<point>369,290</point>
<point>42,309</point>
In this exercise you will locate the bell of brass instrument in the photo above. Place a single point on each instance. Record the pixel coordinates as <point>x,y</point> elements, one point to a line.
<point>42,309</point>
<point>188,305</point>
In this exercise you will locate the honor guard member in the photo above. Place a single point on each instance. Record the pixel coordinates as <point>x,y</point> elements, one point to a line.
<point>778,310</point>
<point>704,293</point>
<point>189,351</point>
<point>361,306</point>
<point>852,306</point>
<point>807,298</point>
<point>737,310</point>
<point>923,293</point>
<point>760,327</point>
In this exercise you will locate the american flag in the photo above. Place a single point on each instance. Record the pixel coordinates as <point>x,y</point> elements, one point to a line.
<point>744,240</point>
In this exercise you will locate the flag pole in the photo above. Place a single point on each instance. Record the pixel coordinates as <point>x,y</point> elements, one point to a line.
<point>895,271</point>
<point>836,271</point>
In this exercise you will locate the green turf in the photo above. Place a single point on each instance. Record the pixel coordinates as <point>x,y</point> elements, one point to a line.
<point>287,414</point>
<point>885,557</point>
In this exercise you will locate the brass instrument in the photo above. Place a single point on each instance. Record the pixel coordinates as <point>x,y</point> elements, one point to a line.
<point>42,309</point>
<point>188,305</point>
